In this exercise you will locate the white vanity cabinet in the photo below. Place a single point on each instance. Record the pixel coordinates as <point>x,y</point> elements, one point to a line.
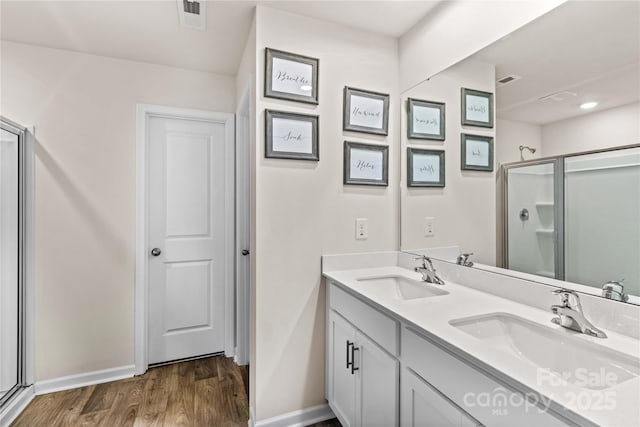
<point>362,376</point>
<point>478,397</point>
<point>383,371</point>
<point>422,405</point>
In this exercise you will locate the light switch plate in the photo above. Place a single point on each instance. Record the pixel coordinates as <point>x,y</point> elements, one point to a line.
<point>362,228</point>
<point>429,226</point>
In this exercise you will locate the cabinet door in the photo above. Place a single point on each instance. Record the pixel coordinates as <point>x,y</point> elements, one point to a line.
<point>342,392</point>
<point>422,405</point>
<point>377,392</point>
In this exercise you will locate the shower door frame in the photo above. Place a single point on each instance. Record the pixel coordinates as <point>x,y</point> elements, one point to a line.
<point>558,210</point>
<point>558,200</point>
<point>19,395</point>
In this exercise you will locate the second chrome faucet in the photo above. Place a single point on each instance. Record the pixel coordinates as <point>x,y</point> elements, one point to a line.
<point>428,271</point>
<point>570,315</point>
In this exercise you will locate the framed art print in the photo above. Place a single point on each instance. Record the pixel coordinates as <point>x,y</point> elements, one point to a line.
<point>366,164</point>
<point>476,152</point>
<point>425,120</point>
<point>291,76</point>
<point>425,168</point>
<point>291,136</point>
<point>477,108</point>
<point>365,111</point>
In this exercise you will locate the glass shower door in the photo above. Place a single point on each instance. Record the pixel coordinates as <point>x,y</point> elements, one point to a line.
<point>532,218</point>
<point>602,218</point>
<point>10,259</point>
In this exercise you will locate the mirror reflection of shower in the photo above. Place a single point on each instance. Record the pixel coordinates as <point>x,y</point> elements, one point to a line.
<point>575,217</point>
<point>525,147</point>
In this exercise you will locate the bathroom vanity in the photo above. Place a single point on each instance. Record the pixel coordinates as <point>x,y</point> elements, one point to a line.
<point>401,351</point>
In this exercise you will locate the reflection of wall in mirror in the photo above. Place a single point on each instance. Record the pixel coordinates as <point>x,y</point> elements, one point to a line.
<point>511,134</point>
<point>601,129</point>
<point>465,208</point>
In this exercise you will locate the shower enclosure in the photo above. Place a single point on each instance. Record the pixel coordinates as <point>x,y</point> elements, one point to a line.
<point>13,167</point>
<point>575,217</point>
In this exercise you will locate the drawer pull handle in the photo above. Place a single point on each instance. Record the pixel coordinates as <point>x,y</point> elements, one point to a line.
<point>353,365</point>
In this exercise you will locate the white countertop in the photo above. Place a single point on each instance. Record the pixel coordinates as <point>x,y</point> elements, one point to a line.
<point>434,313</point>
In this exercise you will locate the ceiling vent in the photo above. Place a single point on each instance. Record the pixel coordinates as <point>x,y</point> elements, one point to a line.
<point>508,79</point>
<point>192,14</point>
<point>559,96</point>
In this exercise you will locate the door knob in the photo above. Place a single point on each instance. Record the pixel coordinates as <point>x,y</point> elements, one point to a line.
<point>156,251</point>
<point>245,252</point>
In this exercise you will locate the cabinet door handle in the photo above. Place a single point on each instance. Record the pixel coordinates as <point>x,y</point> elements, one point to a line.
<point>349,363</point>
<point>353,365</point>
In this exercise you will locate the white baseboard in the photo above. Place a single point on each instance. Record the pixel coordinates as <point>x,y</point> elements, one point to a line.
<point>84,379</point>
<point>301,418</point>
<point>17,405</point>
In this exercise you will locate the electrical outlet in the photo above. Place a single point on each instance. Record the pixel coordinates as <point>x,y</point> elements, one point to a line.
<point>429,226</point>
<point>362,228</point>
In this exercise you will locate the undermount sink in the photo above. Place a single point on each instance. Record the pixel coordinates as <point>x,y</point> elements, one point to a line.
<point>555,354</point>
<point>403,288</point>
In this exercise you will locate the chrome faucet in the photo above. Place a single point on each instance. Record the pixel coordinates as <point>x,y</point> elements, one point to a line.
<point>428,271</point>
<point>463,260</point>
<point>614,290</point>
<point>571,316</point>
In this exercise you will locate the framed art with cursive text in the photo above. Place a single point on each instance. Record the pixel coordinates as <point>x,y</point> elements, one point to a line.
<point>425,119</point>
<point>366,164</point>
<point>291,76</point>
<point>365,111</point>
<point>425,168</point>
<point>476,152</point>
<point>477,108</point>
<point>291,136</point>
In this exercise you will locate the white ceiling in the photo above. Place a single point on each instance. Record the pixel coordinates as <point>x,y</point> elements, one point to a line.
<point>589,48</point>
<point>149,31</point>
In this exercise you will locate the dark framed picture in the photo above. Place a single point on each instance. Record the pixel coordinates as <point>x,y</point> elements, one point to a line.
<point>476,152</point>
<point>425,168</point>
<point>366,164</point>
<point>291,136</point>
<point>291,76</point>
<point>477,108</point>
<point>365,111</point>
<point>425,119</point>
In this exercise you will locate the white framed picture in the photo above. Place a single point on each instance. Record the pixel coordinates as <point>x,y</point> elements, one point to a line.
<point>291,76</point>
<point>291,136</point>
<point>476,152</point>
<point>425,168</point>
<point>477,108</point>
<point>425,119</point>
<point>365,111</point>
<point>366,164</point>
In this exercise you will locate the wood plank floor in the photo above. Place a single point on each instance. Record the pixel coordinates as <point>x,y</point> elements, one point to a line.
<point>199,393</point>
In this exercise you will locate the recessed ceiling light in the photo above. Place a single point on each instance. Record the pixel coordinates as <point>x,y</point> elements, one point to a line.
<point>588,105</point>
<point>306,87</point>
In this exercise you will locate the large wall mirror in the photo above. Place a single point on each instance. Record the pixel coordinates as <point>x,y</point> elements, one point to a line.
<point>561,202</point>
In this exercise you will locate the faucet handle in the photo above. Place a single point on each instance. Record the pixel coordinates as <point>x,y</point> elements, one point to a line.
<point>565,293</point>
<point>425,260</point>
<point>619,282</point>
<point>614,289</point>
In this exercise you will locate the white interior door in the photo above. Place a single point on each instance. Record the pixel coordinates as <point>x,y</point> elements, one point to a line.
<point>187,245</point>
<point>243,240</point>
